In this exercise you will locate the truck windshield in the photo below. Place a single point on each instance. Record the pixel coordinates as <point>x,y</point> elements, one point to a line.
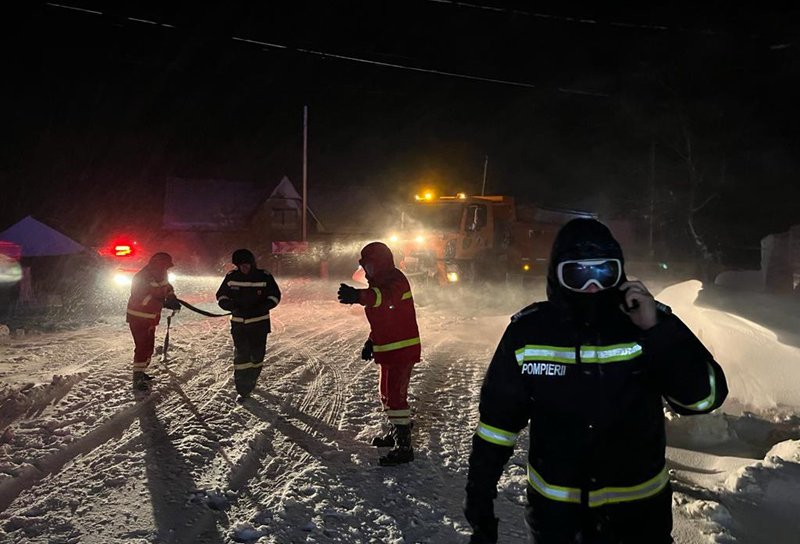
<point>443,216</point>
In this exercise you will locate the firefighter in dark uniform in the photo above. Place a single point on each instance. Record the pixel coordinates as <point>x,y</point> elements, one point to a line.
<point>249,293</point>
<point>150,292</point>
<point>588,369</point>
<point>393,342</point>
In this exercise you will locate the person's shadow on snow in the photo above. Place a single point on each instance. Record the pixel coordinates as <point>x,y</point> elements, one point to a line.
<point>342,442</point>
<point>278,413</point>
<point>170,482</point>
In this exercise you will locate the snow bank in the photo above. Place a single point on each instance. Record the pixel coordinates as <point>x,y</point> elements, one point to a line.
<point>762,372</point>
<point>774,478</point>
<point>764,498</point>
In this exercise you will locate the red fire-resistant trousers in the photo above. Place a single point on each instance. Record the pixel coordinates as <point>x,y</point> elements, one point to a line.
<point>144,338</point>
<point>394,379</point>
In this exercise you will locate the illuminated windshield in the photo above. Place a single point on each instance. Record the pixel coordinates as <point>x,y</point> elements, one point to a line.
<point>443,216</point>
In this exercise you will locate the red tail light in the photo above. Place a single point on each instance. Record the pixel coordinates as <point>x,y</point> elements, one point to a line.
<point>121,247</point>
<point>122,250</point>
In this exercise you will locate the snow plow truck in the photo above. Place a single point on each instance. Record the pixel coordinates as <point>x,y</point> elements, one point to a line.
<point>462,238</point>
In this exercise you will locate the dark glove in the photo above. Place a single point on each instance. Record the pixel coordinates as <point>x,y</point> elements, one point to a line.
<point>366,352</point>
<point>479,511</point>
<point>347,294</point>
<point>227,304</point>
<point>171,303</point>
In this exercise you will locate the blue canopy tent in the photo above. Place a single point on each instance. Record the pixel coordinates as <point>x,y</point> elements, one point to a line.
<point>38,240</point>
<point>49,261</point>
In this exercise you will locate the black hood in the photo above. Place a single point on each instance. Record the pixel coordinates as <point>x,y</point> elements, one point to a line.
<point>583,239</point>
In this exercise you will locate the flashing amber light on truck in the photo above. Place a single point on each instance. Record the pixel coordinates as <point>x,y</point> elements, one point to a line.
<point>526,267</point>
<point>426,196</point>
<point>461,196</point>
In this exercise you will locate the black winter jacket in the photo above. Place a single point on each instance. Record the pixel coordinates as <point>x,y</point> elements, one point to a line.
<point>593,397</point>
<point>249,297</point>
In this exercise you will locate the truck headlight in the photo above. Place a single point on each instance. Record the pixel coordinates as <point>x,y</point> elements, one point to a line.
<point>452,277</point>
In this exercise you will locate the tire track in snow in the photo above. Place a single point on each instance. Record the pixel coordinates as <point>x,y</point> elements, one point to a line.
<point>112,426</point>
<point>320,408</point>
<point>205,379</point>
<point>19,405</point>
<point>11,489</point>
<point>444,388</point>
<point>294,471</point>
<point>289,450</point>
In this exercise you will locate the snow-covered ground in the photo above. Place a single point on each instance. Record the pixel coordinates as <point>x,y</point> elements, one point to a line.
<point>81,461</point>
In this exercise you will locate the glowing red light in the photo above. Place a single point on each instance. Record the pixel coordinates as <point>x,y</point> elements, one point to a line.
<point>123,247</point>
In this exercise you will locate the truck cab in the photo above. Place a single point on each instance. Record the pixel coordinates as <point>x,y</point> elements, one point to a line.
<point>452,239</point>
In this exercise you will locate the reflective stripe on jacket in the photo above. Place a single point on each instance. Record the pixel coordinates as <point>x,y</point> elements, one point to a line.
<point>147,296</point>
<point>253,296</point>
<point>593,400</point>
<point>389,306</point>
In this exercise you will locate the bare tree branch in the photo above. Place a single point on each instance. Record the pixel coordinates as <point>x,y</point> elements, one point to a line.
<point>705,202</point>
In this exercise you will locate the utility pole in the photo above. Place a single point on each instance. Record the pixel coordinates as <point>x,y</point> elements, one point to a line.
<point>652,193</point>
<point>485,168</point>
<point>305,172</point>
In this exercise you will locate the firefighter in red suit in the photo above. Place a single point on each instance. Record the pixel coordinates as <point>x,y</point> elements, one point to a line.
<point>150,291</point>
<point>393,342</point>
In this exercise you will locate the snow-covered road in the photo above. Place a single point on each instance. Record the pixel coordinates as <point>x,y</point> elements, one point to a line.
<point>82,461</point>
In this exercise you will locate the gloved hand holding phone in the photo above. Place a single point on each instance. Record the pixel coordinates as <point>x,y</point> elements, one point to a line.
<point>639,304</point>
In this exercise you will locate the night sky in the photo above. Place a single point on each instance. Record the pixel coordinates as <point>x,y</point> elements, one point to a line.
<point>100,108</point>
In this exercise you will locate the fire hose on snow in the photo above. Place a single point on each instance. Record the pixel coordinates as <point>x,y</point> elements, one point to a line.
<point>169,323</point>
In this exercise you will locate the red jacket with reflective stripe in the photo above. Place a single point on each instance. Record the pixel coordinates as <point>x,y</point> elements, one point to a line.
<point>147,296</point>
<point>393,321</point>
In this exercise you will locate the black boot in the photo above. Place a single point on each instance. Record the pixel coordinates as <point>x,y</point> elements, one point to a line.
<point>384,440</point>
<point>141,381</point>
<point>387,440</point>
<point>402,452</point>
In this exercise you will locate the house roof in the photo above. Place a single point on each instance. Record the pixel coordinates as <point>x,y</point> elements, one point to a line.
<point>211,204</point>
<point>221,205</point>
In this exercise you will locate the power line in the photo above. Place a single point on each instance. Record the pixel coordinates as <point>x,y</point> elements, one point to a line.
<point>363,60</point>
<point>592,21</point>
<point>568,19</point>
<point>74,8</point>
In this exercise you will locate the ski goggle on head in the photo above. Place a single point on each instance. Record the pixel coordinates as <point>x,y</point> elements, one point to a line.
<point>579,275</point>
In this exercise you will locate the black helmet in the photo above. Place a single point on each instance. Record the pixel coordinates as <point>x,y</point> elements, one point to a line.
<point>243,256</point>
<point>161,259</point>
